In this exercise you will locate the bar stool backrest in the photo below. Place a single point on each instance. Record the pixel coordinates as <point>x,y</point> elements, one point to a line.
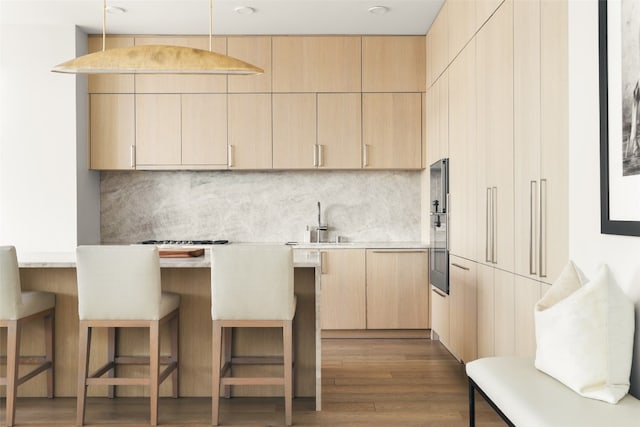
<point>252,282</point>
<point>118,282</point>
<point>10,292</point>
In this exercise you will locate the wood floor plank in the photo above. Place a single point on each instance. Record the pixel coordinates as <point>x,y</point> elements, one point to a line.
<point>366,382</point>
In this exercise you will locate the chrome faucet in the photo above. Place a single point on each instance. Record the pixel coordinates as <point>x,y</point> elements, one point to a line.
<point>321,227</point>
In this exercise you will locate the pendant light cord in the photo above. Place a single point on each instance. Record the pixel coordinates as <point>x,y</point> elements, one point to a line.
<point>210,24</point>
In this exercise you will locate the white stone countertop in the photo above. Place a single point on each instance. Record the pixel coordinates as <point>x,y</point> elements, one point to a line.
<point>304,255</point>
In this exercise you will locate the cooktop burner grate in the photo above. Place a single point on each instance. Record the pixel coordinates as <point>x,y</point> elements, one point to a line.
<point>184,242</point>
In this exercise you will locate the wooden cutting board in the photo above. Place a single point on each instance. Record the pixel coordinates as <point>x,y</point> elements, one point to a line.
<point>181,253</point>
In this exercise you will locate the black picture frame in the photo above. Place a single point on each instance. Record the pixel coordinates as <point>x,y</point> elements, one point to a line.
<point>607,225</point>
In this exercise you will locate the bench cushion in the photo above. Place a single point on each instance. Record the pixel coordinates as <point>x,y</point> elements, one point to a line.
<point>529,397</point>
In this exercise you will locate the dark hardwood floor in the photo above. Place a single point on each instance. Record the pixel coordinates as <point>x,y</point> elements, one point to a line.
<point>366,382</point>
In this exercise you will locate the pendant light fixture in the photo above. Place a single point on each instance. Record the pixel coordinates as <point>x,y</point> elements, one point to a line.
<point>156,59</point>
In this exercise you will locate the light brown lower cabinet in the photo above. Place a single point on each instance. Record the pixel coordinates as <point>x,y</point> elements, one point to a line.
<point>440,322</point>
<point>463,342</point>
<point>397,289</point>
<point>343,294</point>
<point>527,293</point>
<point>374,289</point>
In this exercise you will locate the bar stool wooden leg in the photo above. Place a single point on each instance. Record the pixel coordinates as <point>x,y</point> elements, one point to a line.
<point>175,351</point>
<point>215,390</point>
<point>13,356</point>
<point>227,345</point>
<point>49,339</point>
<point>84,340</point>
<point>287,338</point>
<point>111,358</point>
<point>154,368</point>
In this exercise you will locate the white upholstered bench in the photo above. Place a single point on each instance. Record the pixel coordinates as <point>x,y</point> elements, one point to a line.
<point>526,397</point>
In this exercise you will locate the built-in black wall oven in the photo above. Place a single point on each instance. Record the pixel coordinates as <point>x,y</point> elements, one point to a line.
<point>439,235</point>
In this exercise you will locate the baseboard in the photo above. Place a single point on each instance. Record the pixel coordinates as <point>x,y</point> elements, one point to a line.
<point>377,333</point>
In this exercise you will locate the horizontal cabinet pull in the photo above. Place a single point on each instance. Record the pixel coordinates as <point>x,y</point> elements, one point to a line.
<point>399,251</point>
<point>460,266</point>
<point>439,292</point>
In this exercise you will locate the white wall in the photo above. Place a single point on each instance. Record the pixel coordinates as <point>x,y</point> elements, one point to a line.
<point>587,247</point>
<point>38,139</point>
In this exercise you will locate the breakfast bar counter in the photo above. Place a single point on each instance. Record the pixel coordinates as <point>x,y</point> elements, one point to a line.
<point>191,279</point>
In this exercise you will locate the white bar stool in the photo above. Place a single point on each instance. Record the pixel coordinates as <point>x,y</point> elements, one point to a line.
<point>16,308</point>
<point>118,287</point>
<point>251,286</point>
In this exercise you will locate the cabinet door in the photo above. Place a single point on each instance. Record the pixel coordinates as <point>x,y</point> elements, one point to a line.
<point>112,131</point>
<point>527,294</point>
<point>339,130</point>
<point>462,25</point>
<point>554,154</point>
<point>250,144</point>
<point>397,289</point>
<point>440,318</point>
<point>343,294</point>
<point>294,131</point>
<point>316,64</point>
<point>462,154</point>
<point>391,130</point>
<point>438,45</point>
<point>484,10</point>
<point>504,320</point>
<point>182,83</point>
<point>393,63</point>
<point>204,130</point>
<point>438,120</point>
<point>255,50</point>
<point>526,95</point>
<point>463,307</point>
<point>494,60</point>
<point>485,311</point>
<point>109,83</point>
<point>158,130</point>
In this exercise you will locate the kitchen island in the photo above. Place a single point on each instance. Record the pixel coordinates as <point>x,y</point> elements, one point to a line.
<point>191,279</point>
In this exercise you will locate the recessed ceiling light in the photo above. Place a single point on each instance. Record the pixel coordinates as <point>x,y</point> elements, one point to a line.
<point>378,10</point>
<point>115,10</point>
<point>244,10</point>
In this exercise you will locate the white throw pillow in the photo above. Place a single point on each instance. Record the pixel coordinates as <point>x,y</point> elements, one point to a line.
<point>584,334</point>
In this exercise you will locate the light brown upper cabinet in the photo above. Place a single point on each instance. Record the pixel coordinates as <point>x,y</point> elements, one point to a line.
<point>250,142</point>
<point>484,10</point>
<point>109,83</point>
<point>204,130</point>
<point>256,51</point>
<point>339,131</point>
<point>494,108</point>
<point>158,130</point>
<point>462,153</point>
<point>316,64</point>
<point>541,135</point>
<point>462,24</point>
<point>294,131</point>
<point>392,130</point>
<point>393,63</point>
<point>112,131</point>
<point>343,290</point>
<point>397,289</point>
<point>176,83</point>
<point>437,120</point>
<point>438,45</point>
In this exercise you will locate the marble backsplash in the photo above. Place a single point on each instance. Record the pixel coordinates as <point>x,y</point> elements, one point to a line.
<point>362,206</point>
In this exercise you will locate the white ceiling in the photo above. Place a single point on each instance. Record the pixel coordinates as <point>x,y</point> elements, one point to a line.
<point>192,16</point>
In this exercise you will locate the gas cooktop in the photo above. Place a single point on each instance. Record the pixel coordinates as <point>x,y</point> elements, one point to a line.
<point>184,242</point>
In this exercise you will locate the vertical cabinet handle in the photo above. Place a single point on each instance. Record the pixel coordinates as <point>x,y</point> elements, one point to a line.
<point>494,215</point>
<point>132,156</point>
<point>533,221</point>
<point>365,155</point>
<point>315,155</point>
<point>543,228</point>
<point>230,156</point>
<point>320,156</point>
<point>489,223</point>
